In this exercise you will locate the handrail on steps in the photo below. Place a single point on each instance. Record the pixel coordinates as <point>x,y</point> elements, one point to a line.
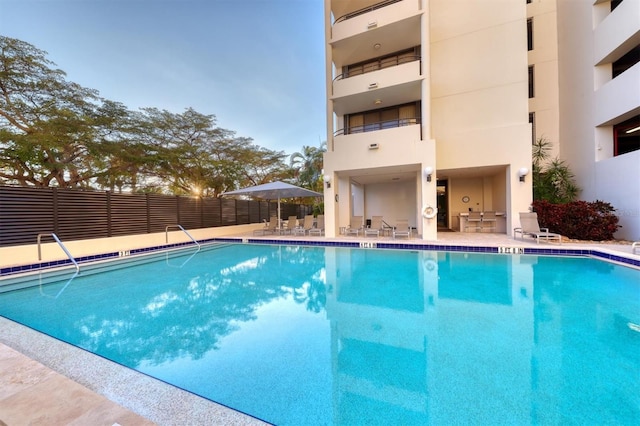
<point>166,234</point>
<point>55,237</point>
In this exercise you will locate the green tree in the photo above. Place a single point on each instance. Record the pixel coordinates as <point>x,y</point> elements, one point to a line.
<point>553,180</point>
<point>48,125</point>
<point>308,165</point>
<point>195,156</point>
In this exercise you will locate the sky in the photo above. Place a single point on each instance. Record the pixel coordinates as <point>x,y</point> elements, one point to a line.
<point>256,65</point>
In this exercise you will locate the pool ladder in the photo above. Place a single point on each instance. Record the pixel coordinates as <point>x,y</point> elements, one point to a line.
<point>55,237</point>
<point>166,234</point>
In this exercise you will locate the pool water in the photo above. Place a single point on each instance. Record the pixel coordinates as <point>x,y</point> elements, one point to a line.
<point>330,336</point>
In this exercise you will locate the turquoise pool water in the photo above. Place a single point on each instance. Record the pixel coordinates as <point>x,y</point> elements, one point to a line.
<point>326,335</point>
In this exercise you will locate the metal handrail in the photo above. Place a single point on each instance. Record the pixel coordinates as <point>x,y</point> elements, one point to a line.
<point>166,234</point>
<point>379,125</point>
<point>55,237</point>
<point>365,10</point>
<point>379,65</point>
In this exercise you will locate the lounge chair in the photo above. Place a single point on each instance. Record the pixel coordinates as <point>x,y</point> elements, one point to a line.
<point>376,227</point>
<point>270,227</point>
<point>529,226</point>
<point>489,221</point>
<point>402,229</point>
<point>355,227</point>
<point>473,221</point>
<point>292,223</point>
<point>319,229</point>
<point>306,226</point>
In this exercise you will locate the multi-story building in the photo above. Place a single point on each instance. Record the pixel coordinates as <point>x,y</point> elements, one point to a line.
<point>440,85</point>
<point>599,102</point>
<point>426,108</point>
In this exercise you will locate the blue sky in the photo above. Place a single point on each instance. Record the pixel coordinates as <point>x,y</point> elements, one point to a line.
<point>257,65</point>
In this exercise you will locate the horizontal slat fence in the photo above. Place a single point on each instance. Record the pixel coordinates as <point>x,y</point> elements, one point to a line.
<point>26,212</point>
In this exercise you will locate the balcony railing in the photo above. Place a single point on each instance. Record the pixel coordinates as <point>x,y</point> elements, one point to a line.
<point>378,65</point>
<point>365,10</point>
<point>381,125</point>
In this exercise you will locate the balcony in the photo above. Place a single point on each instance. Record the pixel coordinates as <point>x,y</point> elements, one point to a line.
<point>395,26</point>
<point>618,98</point>
<point>618,33</point>
<point>388,147</point>
<point>380,125</point>
<point>389,86</point>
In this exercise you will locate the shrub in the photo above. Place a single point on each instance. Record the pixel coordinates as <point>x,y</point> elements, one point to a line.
<point>579,220</point>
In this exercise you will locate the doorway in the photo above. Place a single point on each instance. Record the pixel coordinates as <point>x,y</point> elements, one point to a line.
<point>442,204</point>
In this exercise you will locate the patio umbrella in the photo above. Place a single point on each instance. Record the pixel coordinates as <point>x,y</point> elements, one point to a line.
<point>275,190</point>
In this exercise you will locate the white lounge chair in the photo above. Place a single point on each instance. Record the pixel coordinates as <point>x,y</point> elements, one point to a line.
<point>402,229</point>
<point>355,226</point>
<point>307,225</point>
<point>319,228</point>
<point>270,227</point>
<point>529,226</point>
<point>376,227</point>
<point>292,223</point>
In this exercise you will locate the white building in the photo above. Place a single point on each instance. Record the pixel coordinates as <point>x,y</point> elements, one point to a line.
<point>461,87</point>
<point>415,85</point>
<point>599,98</point>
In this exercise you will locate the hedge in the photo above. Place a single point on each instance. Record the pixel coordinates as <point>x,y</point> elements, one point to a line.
<point>578,220</point>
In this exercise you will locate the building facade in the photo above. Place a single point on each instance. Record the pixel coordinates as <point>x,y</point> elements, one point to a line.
<point>427,112</point>
<point>440,85</point>
<point>599,102</point>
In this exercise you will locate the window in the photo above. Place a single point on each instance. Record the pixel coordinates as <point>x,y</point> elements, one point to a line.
<point>530,34</point>
<point>385,118</point>
<point>531,91</point>
<point>631,58</point>
<point>532,121</point>
<point>528,1</point>
<point>626,136</point>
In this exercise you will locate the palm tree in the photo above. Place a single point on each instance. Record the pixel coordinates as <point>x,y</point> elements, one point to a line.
<point>308,166</point>
<point>553,181</point>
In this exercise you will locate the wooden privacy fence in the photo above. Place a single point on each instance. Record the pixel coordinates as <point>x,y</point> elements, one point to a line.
<point>73,214</point>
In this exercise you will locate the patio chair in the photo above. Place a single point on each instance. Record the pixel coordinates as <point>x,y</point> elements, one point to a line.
<point>473,221</point>
<point>402,229</point>
<point>355,226</point>
<point>306,226</point>
<point>270,227</point>
<point>319,228</point>
<point>489,221</point>
<point>376,227</point>
<point>529,226</point>
<point>292,223</point>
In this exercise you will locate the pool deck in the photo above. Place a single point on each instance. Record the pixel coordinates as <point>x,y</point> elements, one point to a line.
<point>46,381</point>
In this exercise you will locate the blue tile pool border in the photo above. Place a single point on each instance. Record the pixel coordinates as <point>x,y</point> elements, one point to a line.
<point>12,270</point>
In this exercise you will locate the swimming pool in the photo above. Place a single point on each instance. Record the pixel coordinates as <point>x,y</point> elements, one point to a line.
<point>331,335</point>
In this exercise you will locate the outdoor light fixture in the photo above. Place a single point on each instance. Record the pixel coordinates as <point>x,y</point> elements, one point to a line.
<point>327,180</point>
<point>428,171</point>
<point>522,173</point>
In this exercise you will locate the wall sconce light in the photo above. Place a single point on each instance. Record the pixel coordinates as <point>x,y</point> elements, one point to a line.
<point>522,173</point>
<point>327,180</point>
<point>428,171</point>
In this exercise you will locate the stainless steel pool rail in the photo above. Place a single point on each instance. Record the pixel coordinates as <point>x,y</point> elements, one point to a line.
<point>55,237</point>
<point>166,234</point>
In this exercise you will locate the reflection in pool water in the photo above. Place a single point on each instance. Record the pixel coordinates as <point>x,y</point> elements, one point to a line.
<point>325,335</point>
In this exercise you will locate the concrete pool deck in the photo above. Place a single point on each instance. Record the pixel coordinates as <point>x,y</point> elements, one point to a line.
<point>46,381</point>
